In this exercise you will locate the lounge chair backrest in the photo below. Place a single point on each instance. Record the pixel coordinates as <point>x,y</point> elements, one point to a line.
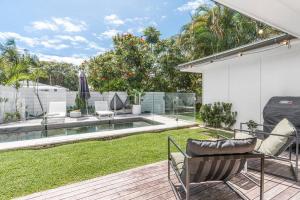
<point>59,107</point>
<point>101,106</point>
<point>217,160</point>
<point>206,161</point>
<point>214,168</point>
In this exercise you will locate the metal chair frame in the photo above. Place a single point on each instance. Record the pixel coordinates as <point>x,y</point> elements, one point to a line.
<point>295,140</point>
<point>188,158</point>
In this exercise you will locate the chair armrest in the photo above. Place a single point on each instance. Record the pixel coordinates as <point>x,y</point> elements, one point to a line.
<point>242,124</point>
<point>263,133</point>
<point>172,141</point>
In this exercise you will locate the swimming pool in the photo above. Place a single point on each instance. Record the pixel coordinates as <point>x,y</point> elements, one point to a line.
<point>72,129</point>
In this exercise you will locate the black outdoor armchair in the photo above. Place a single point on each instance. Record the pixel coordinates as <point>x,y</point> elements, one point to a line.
<point>195,169</point>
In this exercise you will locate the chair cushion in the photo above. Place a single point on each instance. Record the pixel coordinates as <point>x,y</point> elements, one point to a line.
<point>177,160</point>
<point>243,135</point>
<point>274,145</point>
<point>218,147</point>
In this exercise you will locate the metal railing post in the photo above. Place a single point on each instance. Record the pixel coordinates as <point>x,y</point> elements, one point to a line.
<point>187,180</point>
<point>262,181</point>
<point>169,158</point>
<point>297,155</point>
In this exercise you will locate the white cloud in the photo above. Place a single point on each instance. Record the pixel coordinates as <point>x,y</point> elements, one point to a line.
<point>65,24</point>
<point>113,19</point>
<point>139,24</point>
<point>140,29</point>
<point>57,42</point>
<point>130,30</point>
<point>93,45</point>
<point>153,23</point>
<point>11,35</point>
<point>75,38</point>
<point>44,25</point>
<point>70,25</point>
<point>67,59</point>
<point>99,53</point>
<point>53,44</point>
<point>191,5</point>
<point>109,33</point>
<point>33,42</point>
<point>137,19</point>
<point>134,25</point>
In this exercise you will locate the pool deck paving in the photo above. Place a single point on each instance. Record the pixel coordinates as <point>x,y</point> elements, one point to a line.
<point>166,123</point>
<point>150,182</point>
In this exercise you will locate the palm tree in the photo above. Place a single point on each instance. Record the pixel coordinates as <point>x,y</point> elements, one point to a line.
<point>37,72</point>
<point>151,34</point>
<point>16,67</point>
<point>216,28</point>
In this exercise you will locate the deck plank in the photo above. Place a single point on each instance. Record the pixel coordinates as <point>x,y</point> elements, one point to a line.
<point>150,183</point>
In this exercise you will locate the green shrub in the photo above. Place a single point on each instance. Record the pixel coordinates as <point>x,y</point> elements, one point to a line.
<point>12,117</point>
<point>218,115</point>
<point>80,104</point>
<point>252,125</point>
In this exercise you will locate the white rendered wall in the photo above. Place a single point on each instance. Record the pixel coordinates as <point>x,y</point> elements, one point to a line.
<point>30,104</point>
<point>248,82</point>
<point>10,106</point>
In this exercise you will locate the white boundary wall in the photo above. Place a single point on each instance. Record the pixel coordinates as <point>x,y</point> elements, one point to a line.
<point>10,105</point>
<point>95,96</point>
<point>248,82</point>
<point>30,104</point>
<point>27,100</point>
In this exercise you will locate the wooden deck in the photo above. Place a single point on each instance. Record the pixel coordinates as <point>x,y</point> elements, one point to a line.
<point>150,182</point>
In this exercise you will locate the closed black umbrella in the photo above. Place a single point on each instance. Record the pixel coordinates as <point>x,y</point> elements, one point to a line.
<point>84,91</point>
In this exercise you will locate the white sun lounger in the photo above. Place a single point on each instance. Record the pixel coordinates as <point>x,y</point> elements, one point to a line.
<point>102,109</point>
<point>57,109</point>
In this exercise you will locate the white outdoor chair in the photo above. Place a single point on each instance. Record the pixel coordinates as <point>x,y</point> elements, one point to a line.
<point>102,109</point>
<point>57,109</point>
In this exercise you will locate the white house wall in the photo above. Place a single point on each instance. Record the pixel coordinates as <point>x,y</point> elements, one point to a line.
<point>280,73</point>
<point>244,87</point>
<point>215,84</point>
<point>251,80</point>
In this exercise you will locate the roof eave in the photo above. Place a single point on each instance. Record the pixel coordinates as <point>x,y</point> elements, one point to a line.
<point>238,50</point>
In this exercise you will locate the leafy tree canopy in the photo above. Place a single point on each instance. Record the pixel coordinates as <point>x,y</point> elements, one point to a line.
<point>62,74</point>
<point>146,63</point>
<point>149,63</point>
<point>17,66</point>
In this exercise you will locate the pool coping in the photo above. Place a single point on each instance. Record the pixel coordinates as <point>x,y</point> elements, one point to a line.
<point>70,124</point>
<point>166,124</point>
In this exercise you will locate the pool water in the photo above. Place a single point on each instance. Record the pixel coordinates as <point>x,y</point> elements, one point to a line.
<point>9,137</point>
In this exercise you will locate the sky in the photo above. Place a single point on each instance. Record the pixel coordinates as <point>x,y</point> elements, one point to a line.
<point>74,30</point>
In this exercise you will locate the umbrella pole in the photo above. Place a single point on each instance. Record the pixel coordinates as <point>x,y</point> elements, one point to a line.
<point>86,106</point>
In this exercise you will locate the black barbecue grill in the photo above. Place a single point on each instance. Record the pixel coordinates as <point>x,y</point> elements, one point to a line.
<point>278,108</point>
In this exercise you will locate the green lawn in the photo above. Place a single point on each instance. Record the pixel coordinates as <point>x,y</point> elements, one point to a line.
<point>26,171</point>
<point>198,118</point>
